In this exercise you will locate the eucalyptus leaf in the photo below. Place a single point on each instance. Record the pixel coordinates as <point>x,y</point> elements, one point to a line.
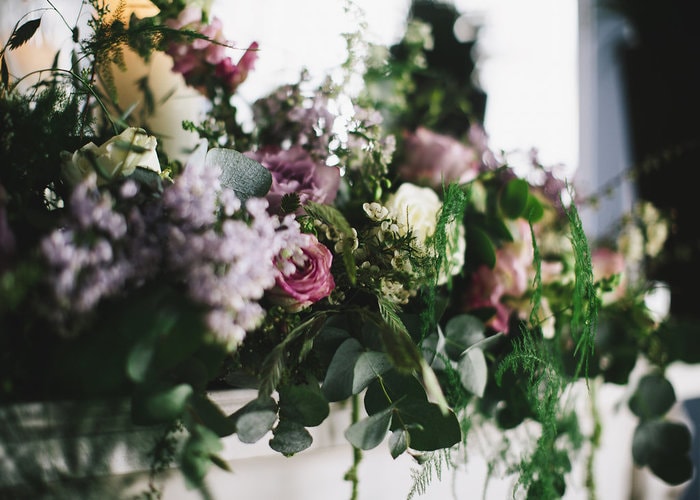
<point>212,416</point>
<point>433,388</point>
<point>290,438</point>
<point>154,404</point>
<point>255,419</point>
<point>147,177</point>
<point>398,442</point>
<point>197,454</point>
<point>664,447</point>
<point>391,388</point>
<point>461,332</point>
<point>247,177</point>
<point>473,371</point>
<point>369,432</point>
<point>304,404</point>
<point>653,397</point>
<point>352,369</point>
<point>428,426</point>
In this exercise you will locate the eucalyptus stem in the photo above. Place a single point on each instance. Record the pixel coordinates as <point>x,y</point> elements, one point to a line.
<point>351,475</point>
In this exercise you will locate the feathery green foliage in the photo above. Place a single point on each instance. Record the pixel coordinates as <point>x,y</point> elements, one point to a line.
<point>584,323</point>
<point>431,466</point>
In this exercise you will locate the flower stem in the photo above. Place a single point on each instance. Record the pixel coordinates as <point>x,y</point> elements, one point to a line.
<point>351,474</point>
<point>595,443</point>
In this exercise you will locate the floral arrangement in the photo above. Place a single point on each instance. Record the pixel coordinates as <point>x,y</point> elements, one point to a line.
<point>351,247</point>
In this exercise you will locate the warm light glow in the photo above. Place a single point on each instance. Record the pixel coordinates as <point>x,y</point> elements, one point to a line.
<point>142,8</point>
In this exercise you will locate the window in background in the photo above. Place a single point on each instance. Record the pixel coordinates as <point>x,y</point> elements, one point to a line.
<point>527,59</point>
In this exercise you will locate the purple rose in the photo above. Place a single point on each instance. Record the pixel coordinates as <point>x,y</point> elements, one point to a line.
<point>294,171</point>
<point>430,157</point>
<point>305,275</point>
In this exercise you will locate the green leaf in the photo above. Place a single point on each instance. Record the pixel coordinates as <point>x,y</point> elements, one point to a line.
<point>433,388</point>
<point>473,372</point>
<point>398,442</point>
<point>304,404</point>
<point>212,416</point>
<point>290,438</point>
<point>23,34</point>
<point>198,454</point>
<point>513,198</point>
<point>664,447</point>
<point>396,340</point>
<point>534,210</point>
<point>390,388</point>
<point>428,427</point>
<point>247,177</point>
<point>4,72</point>
<point>653,397</point>
<point>461,332</point>
<point>369,432</point>
<point>480,248</point>
<point>148,178</point>
<point>352,369</point>
<point>159,403</point>
<point>255,419</point>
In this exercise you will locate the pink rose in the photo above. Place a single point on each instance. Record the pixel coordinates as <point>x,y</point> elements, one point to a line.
<point>508,281</point>
<point>305,276</point>
<point>295,171</point>
<point>607,263</point>
<point>432,158</point>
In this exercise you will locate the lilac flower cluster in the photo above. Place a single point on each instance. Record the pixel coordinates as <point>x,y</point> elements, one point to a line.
<point>90,257</point>
<point>197,235</point>
<point>226,259</point>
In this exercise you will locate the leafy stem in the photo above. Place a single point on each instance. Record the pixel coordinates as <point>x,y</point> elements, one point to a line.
<point>351,475</point>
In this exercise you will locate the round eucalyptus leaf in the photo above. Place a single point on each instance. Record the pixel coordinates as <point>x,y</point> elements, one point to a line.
<point>290,438</point>
<point>461,332</point>
<point>653,397</point>
<point>303,404</point>
<point>664,447</point>
<point>255,419</point>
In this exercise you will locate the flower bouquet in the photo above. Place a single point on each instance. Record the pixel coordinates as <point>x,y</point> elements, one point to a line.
<point>364,247</point>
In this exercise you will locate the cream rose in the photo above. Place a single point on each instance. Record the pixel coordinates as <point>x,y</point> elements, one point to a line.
<point>417,209</point>
<point>119,156</point>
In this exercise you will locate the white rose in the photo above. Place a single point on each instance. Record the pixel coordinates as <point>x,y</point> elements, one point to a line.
<point>417,208</point>
<point>119,156</point>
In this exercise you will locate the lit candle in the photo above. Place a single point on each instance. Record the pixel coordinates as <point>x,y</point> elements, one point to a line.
<point>174,100</point>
